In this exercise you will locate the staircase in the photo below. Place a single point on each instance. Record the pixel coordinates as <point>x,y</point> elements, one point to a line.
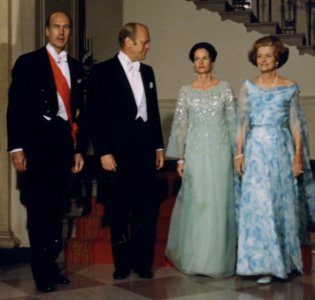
<point>91,243</point>
<point>247,17</point>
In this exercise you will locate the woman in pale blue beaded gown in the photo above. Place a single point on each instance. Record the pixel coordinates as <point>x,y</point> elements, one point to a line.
<point>277,189</point>
<point>202,238</point>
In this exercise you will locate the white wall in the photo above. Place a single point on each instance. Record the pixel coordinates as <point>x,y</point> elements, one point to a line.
<point>175,25</point>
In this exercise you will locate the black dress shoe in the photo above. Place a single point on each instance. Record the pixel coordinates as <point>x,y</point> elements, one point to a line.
<point>120,274</point>
<point>60,279</point>
<point>145,274</point>
<point>45,287</point>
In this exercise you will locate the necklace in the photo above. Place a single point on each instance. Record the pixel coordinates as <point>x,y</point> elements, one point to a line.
<point>274,82</point>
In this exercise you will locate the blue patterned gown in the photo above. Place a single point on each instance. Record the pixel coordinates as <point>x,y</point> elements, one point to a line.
<point>273,207</point>
<point>202,231</point>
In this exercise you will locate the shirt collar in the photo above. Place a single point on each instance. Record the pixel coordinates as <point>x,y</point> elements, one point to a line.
<point>127,62</point>
<point>62,56</point>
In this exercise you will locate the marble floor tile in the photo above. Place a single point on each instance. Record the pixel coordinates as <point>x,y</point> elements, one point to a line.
<point>93,282</point>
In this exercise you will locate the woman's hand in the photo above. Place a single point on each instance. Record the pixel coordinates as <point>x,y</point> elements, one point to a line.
<point>297,164</point>
<point>239,164</point>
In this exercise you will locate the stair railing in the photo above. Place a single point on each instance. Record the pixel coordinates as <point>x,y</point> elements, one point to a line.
<point>288,14</point>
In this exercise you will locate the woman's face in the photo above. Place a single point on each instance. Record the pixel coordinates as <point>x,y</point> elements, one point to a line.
<point>202,61</point>
<point>266,59</point>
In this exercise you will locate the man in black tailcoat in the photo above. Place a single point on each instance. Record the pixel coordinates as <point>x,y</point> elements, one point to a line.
<point>127,137</point>
<point>44,141</point>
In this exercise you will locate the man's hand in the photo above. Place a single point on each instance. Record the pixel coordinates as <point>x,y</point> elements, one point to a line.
<point>18,160</point>
<point>78,163</point>
<point>180,168</point>
<point>159,162</point>
<point>109,163</point>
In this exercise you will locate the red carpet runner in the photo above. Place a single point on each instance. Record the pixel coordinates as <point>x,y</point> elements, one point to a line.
<point>91,244</point>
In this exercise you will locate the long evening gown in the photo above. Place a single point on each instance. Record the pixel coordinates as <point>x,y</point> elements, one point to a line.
<point>202,231</point>
<point>274,206</point>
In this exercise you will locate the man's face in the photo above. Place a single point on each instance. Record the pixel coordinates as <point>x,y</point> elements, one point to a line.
<point>140,46</point>
<point>59,31</point>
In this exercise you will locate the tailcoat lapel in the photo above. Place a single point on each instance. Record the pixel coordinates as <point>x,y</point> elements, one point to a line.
<point>122,77</point>
<point>47,71</point>
<point>73,80</point>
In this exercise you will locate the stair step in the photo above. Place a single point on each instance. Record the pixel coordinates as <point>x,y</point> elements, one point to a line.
<point>88,251</point>
<point>159,256</point>
<point>166,207</point>
<point>244,16</point>
<point>271,28</point>
<point>163,225</point>
<point>307,50</point>
<point>97,209</point>
<point>102,251</point>
<point>99,251</point>
<point>293,39</point>
<point>79,251</point>
<point>213,5</point>
<point>91,227</point>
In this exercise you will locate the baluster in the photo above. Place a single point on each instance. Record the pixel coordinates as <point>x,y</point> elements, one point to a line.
<point>270,10</point>
<point>288,16</point>
<point>258,10</point>
<point>309,22</point>
<point>263,9</point>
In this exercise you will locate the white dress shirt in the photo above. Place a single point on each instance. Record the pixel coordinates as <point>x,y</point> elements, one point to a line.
<point>132,70</point>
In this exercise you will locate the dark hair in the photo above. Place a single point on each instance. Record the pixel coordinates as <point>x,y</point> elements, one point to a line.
<point>280,51</point>
<point>129,30</point>
<point>47,23</point>
<point>203,45</point>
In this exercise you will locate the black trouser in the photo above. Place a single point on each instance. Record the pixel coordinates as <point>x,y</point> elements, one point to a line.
<point>133,206</point>
<point>42,192</point>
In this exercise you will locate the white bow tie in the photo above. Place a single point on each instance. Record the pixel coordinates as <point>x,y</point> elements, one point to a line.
<point>134,66</point>
<point>63,56</point>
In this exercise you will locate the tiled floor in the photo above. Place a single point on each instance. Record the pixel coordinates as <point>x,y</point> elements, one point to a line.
<point>95,282</point>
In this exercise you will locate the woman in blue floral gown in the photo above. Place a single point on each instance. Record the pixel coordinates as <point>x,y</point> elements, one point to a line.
<point>202,232</point>
<point>277,189</point>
